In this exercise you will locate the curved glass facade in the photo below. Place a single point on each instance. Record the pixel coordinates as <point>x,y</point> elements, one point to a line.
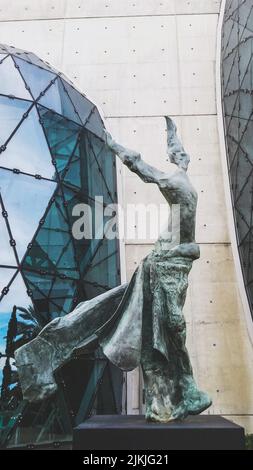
<point>237,92</point>
<point>52,158</point>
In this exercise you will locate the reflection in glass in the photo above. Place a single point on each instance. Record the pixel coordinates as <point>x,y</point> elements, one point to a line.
<point>54,159</point>
<point>11,113</point>
<point>28,150</point>
<point>25,200</point>
<point>7,256</point>
<point>57,99</point>
<point>11,81</point>
<point>237,90</point>
<point>37,79</point>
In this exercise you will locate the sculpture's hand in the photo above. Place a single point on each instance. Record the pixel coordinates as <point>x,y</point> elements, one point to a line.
<point>108,139</point>
<point>133,161</point>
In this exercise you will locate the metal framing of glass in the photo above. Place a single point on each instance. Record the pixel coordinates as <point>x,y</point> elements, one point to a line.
<point>237,101</point>
<point>52,157</point>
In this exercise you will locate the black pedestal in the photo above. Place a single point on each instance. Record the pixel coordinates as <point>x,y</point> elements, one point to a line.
<point>123,432</point>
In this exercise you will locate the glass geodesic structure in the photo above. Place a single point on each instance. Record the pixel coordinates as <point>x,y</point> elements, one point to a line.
<point>237,96</point>
<point>52,158</point>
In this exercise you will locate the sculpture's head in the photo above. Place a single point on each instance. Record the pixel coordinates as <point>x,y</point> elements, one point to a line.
<point>175,150</point>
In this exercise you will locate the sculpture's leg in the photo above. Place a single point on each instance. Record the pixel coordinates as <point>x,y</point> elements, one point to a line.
<point>166,364</point>
<point>38,360</point>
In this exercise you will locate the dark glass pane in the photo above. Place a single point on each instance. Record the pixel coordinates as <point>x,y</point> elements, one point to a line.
<point>62,136</point>
<point>11,113</point>
<point>82,105</point>
<point>28,149</point>
<point>52,249</point>
<point>52,297</point>
<point>57,99</point>
<point>25,199</point>
<point>95,124</point>
<point>237,89</point>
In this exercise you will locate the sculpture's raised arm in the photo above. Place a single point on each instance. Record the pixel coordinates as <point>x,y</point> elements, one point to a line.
<point>134,162</point>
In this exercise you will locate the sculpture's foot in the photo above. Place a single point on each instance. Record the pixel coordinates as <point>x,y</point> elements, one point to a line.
<point>195,400</point>
<point>158,411</point>
<point>180,412</point>
<point>198,403</point>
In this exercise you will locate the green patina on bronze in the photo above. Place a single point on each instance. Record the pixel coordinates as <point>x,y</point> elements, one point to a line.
<point>137,324</point>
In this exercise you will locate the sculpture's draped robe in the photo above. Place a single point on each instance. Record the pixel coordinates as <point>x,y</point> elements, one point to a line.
<point>116,320</point>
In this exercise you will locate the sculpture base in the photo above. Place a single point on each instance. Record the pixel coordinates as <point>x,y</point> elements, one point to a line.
<point>132,432</point>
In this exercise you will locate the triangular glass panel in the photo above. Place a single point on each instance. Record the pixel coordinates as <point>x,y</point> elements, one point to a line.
<point>82,105</point>
<point>2,56</point>
<point>6,276</point>
<point>28,150</point>
<point>37,79</point>
<point>26,199</point>
<point>10,331</point>
<point>103,267</point>
<point>246,61</point>
<point>57,99</point>
<point>99,167</point>
<point>11,81</point>
<point>11,113</point>
<point>17,296</point>
<point>7,256</point>
<point>32,59</point>
<point>230,104</point>
<point>246,141</point>
<point>73,175</point>
<point>62,136</point>
<point>52,250</point>
<point>245,14</point>
<point>95,124</point>
<point>52,296</point>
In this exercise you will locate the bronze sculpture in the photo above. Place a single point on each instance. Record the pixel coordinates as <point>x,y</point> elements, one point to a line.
<point>141,323</point>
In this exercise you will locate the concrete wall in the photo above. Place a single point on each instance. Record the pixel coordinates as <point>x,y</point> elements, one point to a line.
<point>140,60</point>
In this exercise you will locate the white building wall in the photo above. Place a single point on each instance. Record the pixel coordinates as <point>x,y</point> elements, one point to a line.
<point>140,60</point>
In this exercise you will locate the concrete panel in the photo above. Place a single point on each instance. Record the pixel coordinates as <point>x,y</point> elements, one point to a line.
<point>148,136</point>
<point>44,38</point>
<point>32,9</point>
<point>124,77</point>
<point>137,102</point>
<point>211,224</point>
<point>119,40</point>
<point>77,8</point>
